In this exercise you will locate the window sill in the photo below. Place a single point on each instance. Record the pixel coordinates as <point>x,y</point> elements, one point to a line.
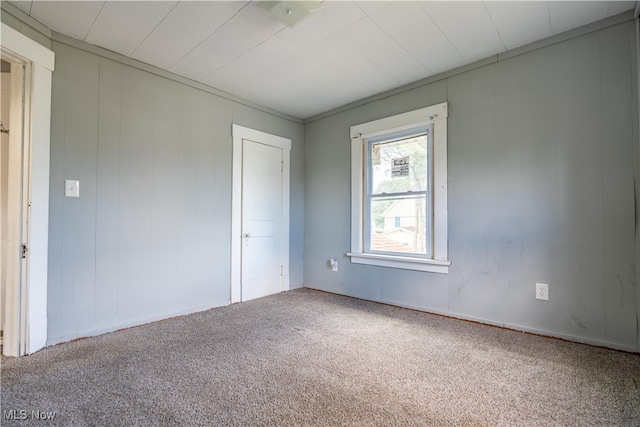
<point>407,263</point>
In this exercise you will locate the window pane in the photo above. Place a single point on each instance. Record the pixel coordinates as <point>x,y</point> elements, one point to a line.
<point>398,224</point>
<point>398,166</point>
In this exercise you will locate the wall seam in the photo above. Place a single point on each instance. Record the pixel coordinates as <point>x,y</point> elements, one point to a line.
<point>635,65</point>
<point>603,243</point>
<point>64,167</point>
<point>97,177</point>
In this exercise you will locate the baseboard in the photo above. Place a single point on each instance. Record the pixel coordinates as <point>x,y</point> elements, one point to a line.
<point>503,325</point>
<point>132,324</point>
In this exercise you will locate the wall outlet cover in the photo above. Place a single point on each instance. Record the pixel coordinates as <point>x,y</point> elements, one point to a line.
<point>542,291</point>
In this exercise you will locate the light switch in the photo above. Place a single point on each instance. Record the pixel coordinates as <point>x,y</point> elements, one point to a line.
<point>71,188</point>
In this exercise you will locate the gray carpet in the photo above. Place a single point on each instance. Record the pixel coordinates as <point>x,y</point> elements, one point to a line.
<point>310,358</point>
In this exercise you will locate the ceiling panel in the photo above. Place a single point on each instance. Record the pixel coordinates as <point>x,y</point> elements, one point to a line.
<point>231,41</point>
<point>292,68</point>
<point>123,26</point>
<point>324,96</point>
<point>23,5</point>
<point>390,57</point>
<point>256,60</point>
<point>73,19</point>
<point>255,87</point>
<point>330,49</point>
<point>370,7</point>
<point>206,58</point>
<point>367,73</point>
<point>362,33</point>
<point>267,54</point>
<point>426,43</point>
<point>229,76</point>
<point>334,17</point>
<point>468,26</point>
<point>397,16</point>
<point>260,20</point>
<point>566,15</point>
<point>617,7</point>
<point>520,22</point>
<point>194,22</point>
<point>338,86</point>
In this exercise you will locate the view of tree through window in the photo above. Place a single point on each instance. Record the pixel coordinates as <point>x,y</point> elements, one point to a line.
<point>398,187</point>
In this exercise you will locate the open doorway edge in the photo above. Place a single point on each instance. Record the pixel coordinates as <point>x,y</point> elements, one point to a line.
<point>29,331</point>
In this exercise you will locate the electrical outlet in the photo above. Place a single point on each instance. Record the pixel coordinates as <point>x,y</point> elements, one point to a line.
<point>542,291</point>
<point>334,264</point>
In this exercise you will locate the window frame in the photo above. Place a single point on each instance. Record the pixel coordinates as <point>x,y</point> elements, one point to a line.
<point>436,116</point>
<point>370,196</point>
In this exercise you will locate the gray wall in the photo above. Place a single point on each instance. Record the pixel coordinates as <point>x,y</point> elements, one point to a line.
<point>541,189</point>
<point>149,237</point>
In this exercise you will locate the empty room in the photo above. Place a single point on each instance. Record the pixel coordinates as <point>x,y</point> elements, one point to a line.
<point>442,228</point>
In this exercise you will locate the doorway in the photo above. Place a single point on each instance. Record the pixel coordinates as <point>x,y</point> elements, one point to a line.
<point>14,206</point>
<point>5,117</point>
<point>260,214</point>
<point>25,249</point>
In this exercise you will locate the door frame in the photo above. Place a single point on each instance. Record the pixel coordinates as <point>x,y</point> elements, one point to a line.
<point>26,303</point>
<point>239,134</point>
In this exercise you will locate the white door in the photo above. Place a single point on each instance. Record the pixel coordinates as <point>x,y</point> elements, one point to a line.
<point>259,214</point>
<point>261,220</point>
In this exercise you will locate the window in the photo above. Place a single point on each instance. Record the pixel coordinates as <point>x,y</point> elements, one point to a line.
<point>397,177</point>
<point>399,191</point>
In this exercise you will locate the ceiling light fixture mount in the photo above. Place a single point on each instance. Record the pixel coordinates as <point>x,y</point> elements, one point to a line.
<point>291,12</point>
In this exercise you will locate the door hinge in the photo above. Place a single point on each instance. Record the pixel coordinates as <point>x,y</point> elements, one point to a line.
<point>24,251</point>
<point>282,270</point>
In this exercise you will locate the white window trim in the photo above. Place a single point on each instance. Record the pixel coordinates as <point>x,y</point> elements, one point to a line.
<point>436,115</point>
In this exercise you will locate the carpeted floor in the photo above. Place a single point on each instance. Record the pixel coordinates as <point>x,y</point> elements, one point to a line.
<point>310,358</point>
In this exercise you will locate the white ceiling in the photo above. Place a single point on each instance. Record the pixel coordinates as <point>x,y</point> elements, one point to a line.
<point>345,52</point>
